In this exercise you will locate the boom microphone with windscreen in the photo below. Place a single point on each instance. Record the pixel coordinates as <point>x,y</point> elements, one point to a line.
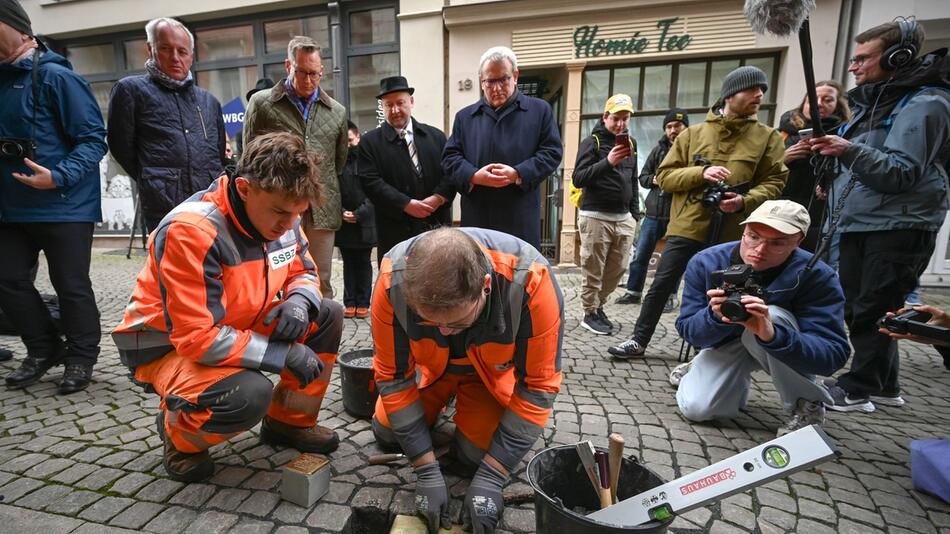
<point>778,17</point>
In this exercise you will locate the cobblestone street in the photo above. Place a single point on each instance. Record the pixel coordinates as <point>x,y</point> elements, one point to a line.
<point>90,462</point>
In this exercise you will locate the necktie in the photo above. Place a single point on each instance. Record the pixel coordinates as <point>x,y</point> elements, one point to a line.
<point>412,150</point>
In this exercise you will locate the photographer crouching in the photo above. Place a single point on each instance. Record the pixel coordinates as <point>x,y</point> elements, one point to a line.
<point>755,305</point>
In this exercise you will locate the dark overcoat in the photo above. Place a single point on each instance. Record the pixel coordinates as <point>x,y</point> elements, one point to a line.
<point>522,134</point>
<point>362,233</point>
<point>390,180</point>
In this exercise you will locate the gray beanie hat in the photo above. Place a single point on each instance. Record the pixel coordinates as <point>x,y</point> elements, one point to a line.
<point>743,78</point>
<point>13,15</point>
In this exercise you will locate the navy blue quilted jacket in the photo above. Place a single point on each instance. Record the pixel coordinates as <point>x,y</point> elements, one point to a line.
<point>171,142</point>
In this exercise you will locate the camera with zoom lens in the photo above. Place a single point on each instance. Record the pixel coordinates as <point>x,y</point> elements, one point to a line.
<point>17,149</point>
<point>736,280</point>
<point>713,194</point>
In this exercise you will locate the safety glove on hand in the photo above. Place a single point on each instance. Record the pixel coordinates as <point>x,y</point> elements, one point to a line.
<point>484,503</point>
<point>432,497</point>
<point>303,364</point>
<point>293,317</point>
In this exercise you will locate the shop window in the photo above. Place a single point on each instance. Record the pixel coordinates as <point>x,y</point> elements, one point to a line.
<point>278,34</point>
<point>92,59</point>
<point>627,81</point>
<point>135,54</point>
<point>364,75</point>
<point>691,89</point>
<point>228,84</point>
<point>596,91</point>
<point>376,26</point>
<point>656,87</point>
<point>225,43</point>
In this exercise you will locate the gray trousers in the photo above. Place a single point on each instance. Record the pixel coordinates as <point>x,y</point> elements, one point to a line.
<point>717,384</point>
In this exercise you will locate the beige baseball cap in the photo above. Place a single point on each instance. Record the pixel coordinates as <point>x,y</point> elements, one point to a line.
<point>783,215</point>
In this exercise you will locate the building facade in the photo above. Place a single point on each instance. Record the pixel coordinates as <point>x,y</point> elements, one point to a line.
<point>663,53</point>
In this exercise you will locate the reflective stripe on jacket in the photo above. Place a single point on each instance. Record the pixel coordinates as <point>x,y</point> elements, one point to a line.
<point>205,287</point>
<point>516,351</point>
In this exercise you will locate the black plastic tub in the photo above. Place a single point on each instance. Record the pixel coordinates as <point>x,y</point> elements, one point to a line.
<point>359,384</point>
<point>561,485</point>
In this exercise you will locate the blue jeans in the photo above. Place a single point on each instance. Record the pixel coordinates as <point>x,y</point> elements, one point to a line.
<point>651,230</point>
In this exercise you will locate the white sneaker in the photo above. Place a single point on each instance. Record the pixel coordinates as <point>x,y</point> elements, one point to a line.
<point>679,372</point>
<point>895,402</point>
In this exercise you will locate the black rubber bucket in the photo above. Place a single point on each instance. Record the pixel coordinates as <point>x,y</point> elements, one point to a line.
<point>359,384</point>
<point>561,485</point>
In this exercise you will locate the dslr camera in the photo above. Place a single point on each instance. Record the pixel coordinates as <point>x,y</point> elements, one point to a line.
<point>12,148</point>
<point>713,194</point>
<point>736,280</point>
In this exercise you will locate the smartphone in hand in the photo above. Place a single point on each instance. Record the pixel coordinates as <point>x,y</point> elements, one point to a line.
<point>622,139</point>
<point>807,133</point>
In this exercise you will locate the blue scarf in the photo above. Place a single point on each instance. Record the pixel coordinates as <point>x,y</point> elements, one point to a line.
<point>302,106</point>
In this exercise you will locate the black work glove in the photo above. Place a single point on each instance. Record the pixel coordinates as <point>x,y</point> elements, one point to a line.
<point>294,316</point>
<point>432,496</point>
<point>484,503</point>
<point>303,363</point>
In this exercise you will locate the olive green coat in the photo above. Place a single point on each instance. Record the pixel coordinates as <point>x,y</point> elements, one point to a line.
<point>751,150</point>
<point>324,133</point>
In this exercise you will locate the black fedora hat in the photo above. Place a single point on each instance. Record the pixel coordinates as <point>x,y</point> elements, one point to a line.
<point>394,84</point>
<point>263,83</point>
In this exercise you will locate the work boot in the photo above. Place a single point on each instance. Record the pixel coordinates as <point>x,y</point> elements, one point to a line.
<point>34,367</point>
<point>183,466</point>
<point>315,438</point>
<point>76,378</point>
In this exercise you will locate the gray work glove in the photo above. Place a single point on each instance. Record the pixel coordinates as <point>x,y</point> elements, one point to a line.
<point>432,496</point>
<point>484,503</point>
<point>303,364</point>
<point>293,317</point>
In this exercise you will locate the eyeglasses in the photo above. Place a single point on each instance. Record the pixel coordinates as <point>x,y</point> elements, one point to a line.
<point>860,59</point>
<point>496,82</point>
<point>457,326</point>
<point>305,74</point>
<point>755,240</point>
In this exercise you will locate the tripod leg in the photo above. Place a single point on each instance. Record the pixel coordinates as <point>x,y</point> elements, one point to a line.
<point>135,221</point>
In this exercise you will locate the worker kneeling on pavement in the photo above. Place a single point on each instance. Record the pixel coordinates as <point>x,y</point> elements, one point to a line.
<point>204,319</point>
<point>794,328</point>
<point>480,313</point>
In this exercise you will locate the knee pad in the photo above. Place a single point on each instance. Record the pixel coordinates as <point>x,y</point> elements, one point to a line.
<point>238,402</point>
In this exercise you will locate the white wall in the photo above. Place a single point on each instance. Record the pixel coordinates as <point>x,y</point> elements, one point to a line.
<point>422,57</point>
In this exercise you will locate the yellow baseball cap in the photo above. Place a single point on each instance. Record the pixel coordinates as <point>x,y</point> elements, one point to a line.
<point>619,102</point>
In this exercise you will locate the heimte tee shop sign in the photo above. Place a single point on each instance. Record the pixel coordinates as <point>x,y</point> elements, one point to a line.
<point>586,43</point>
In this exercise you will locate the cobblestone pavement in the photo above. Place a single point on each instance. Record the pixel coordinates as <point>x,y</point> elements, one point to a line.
<point>91,462</point>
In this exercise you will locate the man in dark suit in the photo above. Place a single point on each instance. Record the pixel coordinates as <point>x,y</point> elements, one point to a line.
<point>400,166</point>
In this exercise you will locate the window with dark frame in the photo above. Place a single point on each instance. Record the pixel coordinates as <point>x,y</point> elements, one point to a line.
<point>692,84</point>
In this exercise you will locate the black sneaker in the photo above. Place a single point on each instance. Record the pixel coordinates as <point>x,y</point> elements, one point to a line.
<point>593,323</point>
<point>628,298</point>
<point>843,402</point>
<point>603,318</point>
<point>627,349</point>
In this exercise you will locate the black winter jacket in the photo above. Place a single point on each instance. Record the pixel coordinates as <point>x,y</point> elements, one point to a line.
<point>362,233</point>
<point>658,201</point>
<point>607,189</point>
<point>171,142</point>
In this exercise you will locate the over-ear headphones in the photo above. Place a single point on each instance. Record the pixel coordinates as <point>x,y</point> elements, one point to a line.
<point>900,54</point>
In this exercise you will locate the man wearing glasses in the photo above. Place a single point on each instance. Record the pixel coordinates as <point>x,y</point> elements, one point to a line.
<point>794,332</point>
<point>894,153</point>
<point>501,149</point>
<point>297,105</point>
<point>480,315</point>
